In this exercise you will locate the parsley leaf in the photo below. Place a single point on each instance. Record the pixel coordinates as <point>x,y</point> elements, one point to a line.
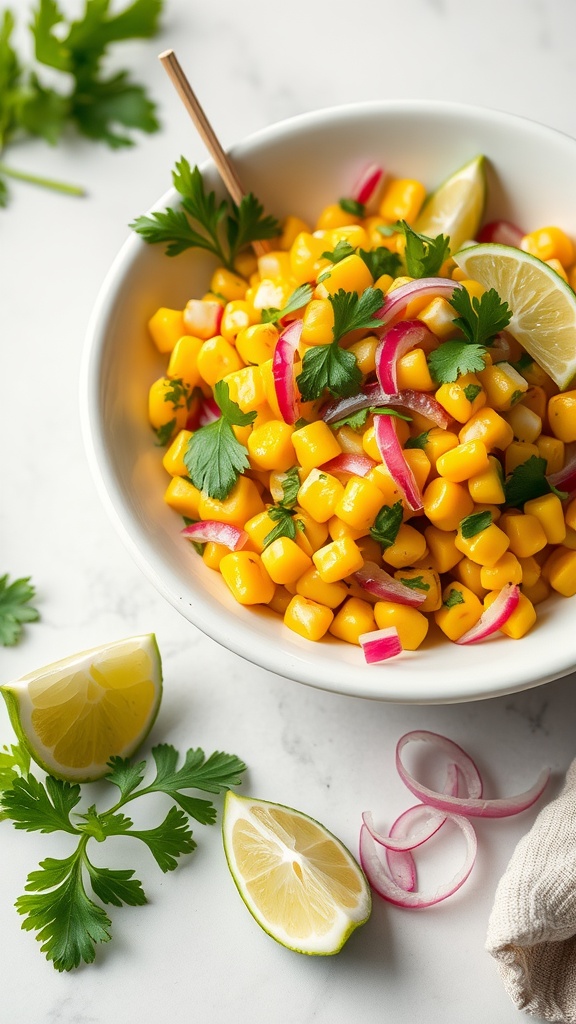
<point>15,608</point>
<point>528,480</point>
<point>353,312</point>
<point>387,524</point>
<point>328,368</point>
<point>423,256</point>
<point>220,227</point>
<point>481,318</point>
<point>214,457</point>
<point>452,359</point>
<point>300,297</point>
<point>381,261</point>
<point>475,523</point>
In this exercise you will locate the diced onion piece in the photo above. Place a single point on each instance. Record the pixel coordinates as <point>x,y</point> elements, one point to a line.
<point>393,458</point>
<point>389,890</point>
<point>396,301</point>
<point>380,644</point>
<point>367,184</point>
<point>357,465</point>
<point>394,343</point>
<point>472,806</point>
<point>283,371</point>
<point>203,318</point>
<point>382,585</point>
<point>494,617</point>
<point>502,232</point>
<point>209,412</point>
<point>219,533</point>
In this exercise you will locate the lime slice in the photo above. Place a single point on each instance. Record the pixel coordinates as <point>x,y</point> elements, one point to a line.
<point>298,881</point>
<point>75,714</point>
<point>543,305</point>
<point>456,207</point>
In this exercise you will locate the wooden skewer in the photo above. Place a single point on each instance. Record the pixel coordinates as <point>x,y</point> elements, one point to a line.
<point>223,162</point>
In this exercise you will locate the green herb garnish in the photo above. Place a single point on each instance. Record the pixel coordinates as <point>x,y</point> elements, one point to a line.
<point>300,297</point>
<point>15,608</point>
<point>453,597</point>
<point>214,457</point>
<point>423,256</point>
<point>527,481</point>
<point>387,524</point>
<point>475,523</point>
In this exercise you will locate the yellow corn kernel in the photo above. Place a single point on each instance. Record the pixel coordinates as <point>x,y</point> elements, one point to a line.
<point>525,533</point>
<point>308,618</point>
<point>380,476</point>
<point>402,199</point>
<point>506,570</point>
<point>485,547</point>
<point>370,548</point>
<point>525,423</point>
<point>216,358</point>
<point>488,426</point>
<point>270,446</point>
<point>550,514</point>
<point>284,561</point>
<point>464,461</point>
<point>280,601</point>
<point>412,371</point>
<point>313,535</point>
<point>319,495</point>
<point>333,216</point>
<point>419,463</point>
<point>183,362</point>
<point>460,610</point>
<point>551,449</point>
<point>337,528</point>
<point>173,460</point>
<point>442,548</point>
<point>291,228</point>
<point>365,352</point>
<point>487,487</point>
<point>408,547</point>
<point>246,388</point>
<point>166,327</point>
<point>469,573</point>
<point>242,503</point>
<point>425,578</point>
<point>503,385</point>
<point>354,618</point>
<point>274,264</point>
<point>258,527</point>
<point>439,316</point>
<point>383,282</point>
<point>560,571</point>
<point>311,585</point>
<point>338,559</point>
<point>570,514</point>
<point>462,398</point>
<point>535,398</point>
<point>520,621</point>
<point>184,497</point>
<point>351,274</point>
<point>318,322</point>
<point>256,343</point>
<point>437,442</point>
<point>562,416</point>
<point>238,314</point>
<point>531,571</point>
<point>411,624</point>
<point>359,503</point>
<point>446,503</point>
<point>305,257</point>
<point>349,440</point>
<point>517,453</point>
<point>315,444</point>
<point>213,554</point>
<point>549,243</point>
<point>245,263</point>
<point>557,266</point>
<point>266,369</point>
<point>166,405</point>
<point>228,284</point>
<point>537,592</point>
<point>370,445</point>
<point>246,577</point>
<point>570,539</point>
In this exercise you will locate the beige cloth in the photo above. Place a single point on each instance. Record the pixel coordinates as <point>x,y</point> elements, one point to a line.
<point>532,927</point>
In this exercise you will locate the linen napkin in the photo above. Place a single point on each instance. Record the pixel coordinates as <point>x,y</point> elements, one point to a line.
<point>532,927</point>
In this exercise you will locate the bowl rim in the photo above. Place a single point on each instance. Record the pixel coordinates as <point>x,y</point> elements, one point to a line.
<point>234,636</point>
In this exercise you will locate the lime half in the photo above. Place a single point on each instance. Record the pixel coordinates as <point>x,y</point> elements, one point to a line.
<point>298,881</point>
<point>75,714</point>
<point>456,207</point>
<point>543,305</point>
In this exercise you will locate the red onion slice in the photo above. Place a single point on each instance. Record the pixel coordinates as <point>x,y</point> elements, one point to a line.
<point>367,184</point>
<point>387,888</point>
<point>472,806</point>
<point>357,465</point>
<point>565,478</point>
<point>495,615</point>
<point>380,644</point>
<point>393,344</point>
<point>209,412</point>
<point>382,585</point>
<point>393,458</point>
<point>283,371</point>
<point>374,395</point>
<point>219,533</point>
<point>502,232</point>
<point>396,301</point>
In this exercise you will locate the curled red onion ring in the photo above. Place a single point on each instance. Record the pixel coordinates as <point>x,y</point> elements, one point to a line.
<point>219,533</point>
<point>367,184</point>
<point>472,806</point>
<point>385,587</point>
<point>374,395</point>
<point>396,301</point>
<point>393,458</point>
<point>495,615</point>
<point>393,344</point>
<point>283,371</point>
<point>502,232</point>
<point>357,465</point>
<point>380,644</point>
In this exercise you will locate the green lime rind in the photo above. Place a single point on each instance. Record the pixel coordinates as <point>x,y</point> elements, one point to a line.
<point>457,206</point>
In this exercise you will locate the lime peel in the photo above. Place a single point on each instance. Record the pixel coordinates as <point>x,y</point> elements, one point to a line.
<point>456,207</point>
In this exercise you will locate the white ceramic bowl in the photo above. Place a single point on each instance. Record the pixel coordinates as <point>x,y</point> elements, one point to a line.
<point>298,166</point>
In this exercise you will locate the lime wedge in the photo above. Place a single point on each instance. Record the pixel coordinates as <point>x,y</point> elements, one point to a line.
<point>543,305</point>
<point>74,715</point>
<point>298,881</point>
<point>456,207</point>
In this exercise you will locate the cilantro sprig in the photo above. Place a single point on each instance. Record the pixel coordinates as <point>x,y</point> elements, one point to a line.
<point>299,297</point>
<point>387,524</point>
<point>58,902</point>
<point>214,457</point>
<point>527,481</point>
<point>479,319</point>
<point>221,227</point>
<point>15,608</point>
<point>423,256</point>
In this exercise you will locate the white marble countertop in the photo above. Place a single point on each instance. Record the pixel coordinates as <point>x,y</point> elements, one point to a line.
<point>194,953</point>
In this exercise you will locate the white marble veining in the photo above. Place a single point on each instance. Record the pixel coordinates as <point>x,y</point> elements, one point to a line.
<point>194,953</point>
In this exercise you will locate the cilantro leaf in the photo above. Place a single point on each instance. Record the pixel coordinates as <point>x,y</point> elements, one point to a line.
<point>419,441</point>
<point>387,524</point>
<point>35,807</point>
<point>353,312</point>
<point>480,319</point>
<point>452,359</point>
<point>116,886</point>
<point>356,420</point>
<point>423,256</point>
<point>169,840</point>
<point>214,457</point>
<point>290,487</point>
<point>165,433</point>
<point>453,597</point>
<point>15,608</point>
<point>300,297</point>
<point>415,583</point>
<point>341,250</point>
<point>472,391</point>
<point>527,481</point>
<point>286,524</point>
<point>328,368</point>
<point>381,261</point>
<point>352,206</point>
<point>475,523</point>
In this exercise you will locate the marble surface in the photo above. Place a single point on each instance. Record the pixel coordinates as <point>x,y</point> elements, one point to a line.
<point>194,953</point>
